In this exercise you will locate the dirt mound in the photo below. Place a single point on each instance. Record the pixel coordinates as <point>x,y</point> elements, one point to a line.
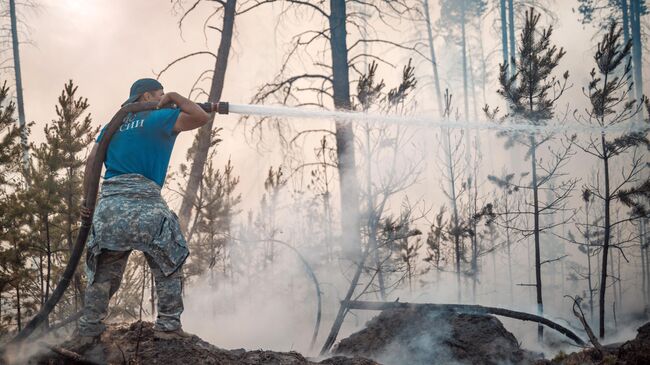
<point>634,352</point>
<point>637,351</point>
<point>422,336</point>
<point>136,344</point>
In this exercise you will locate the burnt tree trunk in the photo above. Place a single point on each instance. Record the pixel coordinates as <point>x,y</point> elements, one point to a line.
<point>647,264</point>
<point>19,86</point>
<point>463,20</point>
<point>637,49</point>
<point>504,35</point>
<point>625,10</point>
<point>538,265</point>
<point>434,62</point>
<point>511,28</point>
<point>204,136</point>
<point>453,201</point>
<point>606,237</point>
<point>351,239</point>
<point>644,285</point>
<point>589,271</point>
<point>373,220</point>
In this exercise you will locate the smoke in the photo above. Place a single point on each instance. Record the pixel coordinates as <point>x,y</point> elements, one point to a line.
<point>272,308</point>
<point>272,305</point>
<point>32,348</point>
<point>420,350</point>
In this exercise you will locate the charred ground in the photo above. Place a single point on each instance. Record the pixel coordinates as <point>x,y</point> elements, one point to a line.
<point>414,336</point>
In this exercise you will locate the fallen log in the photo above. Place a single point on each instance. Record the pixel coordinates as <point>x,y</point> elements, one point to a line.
<point>466,308</point>
<point>577,311</point>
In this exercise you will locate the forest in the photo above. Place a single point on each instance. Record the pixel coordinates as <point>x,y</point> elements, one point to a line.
<point>490,159</point>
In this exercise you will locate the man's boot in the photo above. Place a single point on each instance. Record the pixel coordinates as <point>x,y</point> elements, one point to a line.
<point>82,344</point>
<point>176,334</point>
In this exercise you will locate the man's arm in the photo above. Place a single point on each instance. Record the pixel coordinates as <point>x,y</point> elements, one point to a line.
<point>191,116</point>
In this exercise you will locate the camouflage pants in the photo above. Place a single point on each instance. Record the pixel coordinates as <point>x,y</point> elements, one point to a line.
<point>132,215</point>
<point>110,268</point>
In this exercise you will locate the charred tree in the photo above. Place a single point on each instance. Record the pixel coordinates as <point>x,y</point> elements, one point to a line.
<point>507,213</point>
<point>451,164</point>
<point>504,33</point>
<point>332,81</point>
<point>637,9</point>
<point>531,93</point>
<point>511,36</point>
<point>205,137</point>
<point>15,44</point>
<point>608,95</point>
<point>434,62</point>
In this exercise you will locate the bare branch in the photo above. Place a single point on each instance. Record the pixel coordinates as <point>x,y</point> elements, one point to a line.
<point>183,58</point>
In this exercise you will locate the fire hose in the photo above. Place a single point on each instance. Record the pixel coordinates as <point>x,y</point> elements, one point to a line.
<point>91,181</point>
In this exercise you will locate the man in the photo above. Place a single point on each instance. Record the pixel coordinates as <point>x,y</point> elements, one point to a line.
<point>131,214</point>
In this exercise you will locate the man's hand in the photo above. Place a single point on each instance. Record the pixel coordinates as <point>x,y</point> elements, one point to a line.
<point>169,98</point>
<point>192,116</point>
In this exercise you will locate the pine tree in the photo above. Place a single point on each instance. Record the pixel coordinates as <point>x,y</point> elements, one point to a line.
<point>381,143</point>
<point>610,106</point>
<point>69,136</point>
<point>17,272</point>
<point>9,137</point>
<point>273,185</point>
<point>628,13</point>
<point>507,208</point>
<point>44,201</point>
<point>404,242</point>
<point>211,241</point>
<point>14,243</point>
<point>50,202</point>
<point>436,256</point>
<point>454,189</point>
<point>321,185</point>
<point>531,93</point>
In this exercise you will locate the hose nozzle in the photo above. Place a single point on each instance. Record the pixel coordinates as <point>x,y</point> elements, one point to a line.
<point>221,107</point>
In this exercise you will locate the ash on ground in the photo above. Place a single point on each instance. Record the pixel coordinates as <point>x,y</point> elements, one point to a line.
<point>633,352</point>
<point>135,344</point>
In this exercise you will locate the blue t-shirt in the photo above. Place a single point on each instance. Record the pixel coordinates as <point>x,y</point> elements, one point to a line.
<point>143,145</point>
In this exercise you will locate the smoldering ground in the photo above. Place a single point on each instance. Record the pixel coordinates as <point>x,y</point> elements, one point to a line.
<point>274,306</point>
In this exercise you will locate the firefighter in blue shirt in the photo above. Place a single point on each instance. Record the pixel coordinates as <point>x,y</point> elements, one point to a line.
<point>132,215</point>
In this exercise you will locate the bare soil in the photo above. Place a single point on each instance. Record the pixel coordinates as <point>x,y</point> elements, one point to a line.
<point>395,337</point>
<point>633,352</point>
<point>135,344</point>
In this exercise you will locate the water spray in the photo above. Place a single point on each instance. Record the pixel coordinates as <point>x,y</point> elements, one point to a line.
<point>410,121</point>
